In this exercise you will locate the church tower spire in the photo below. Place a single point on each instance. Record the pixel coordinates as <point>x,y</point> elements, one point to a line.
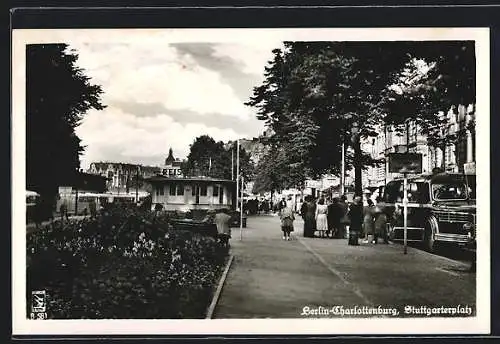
<point>170,157</point>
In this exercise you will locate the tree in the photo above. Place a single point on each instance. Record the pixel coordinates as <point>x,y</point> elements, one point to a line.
<point>318,95</point>
<point>58,94</point>
<point>210,158</point>
<point>440,77</point>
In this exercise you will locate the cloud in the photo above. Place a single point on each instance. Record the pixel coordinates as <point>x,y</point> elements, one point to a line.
<point>162,94</point>
<point>158,73</point>
<point>251,128</point>
<point>254,58</point>
<point>119,136</point>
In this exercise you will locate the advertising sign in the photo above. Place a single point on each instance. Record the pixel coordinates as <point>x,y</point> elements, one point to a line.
<point>405,163</point>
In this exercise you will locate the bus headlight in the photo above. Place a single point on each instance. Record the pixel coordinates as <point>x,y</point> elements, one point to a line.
<point>469,228</point>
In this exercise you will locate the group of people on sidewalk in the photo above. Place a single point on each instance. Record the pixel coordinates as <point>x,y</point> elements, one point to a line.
<point>334,218</point>
<point>368,222</point>
<point>328,217</point>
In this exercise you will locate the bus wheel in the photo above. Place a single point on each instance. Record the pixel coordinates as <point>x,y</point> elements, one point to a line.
<point>430,244</point>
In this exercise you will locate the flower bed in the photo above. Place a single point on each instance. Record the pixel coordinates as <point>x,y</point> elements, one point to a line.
<point>124,264</point>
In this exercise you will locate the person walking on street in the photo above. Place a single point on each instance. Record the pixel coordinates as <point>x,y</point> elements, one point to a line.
<point>368,223</point>
<point>321,217</point>
<point>356,220</point>
<point>308,211</point>
<point>380,223</point>
<point>222,222</point>
<point>287,218</point>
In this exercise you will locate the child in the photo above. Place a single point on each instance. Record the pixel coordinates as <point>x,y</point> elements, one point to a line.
<point>287,219</point>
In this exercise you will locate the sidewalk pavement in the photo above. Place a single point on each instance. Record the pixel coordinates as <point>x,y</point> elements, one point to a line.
<point>273,278</point>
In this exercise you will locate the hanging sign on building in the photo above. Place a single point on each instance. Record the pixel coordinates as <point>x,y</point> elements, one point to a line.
<point>405,163</point>
<point>313,184</point>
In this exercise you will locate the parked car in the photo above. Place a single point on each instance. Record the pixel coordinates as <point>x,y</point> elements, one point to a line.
<point>441,208</point>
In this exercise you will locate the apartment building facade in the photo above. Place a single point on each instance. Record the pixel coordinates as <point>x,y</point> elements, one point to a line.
<point>458,156</point>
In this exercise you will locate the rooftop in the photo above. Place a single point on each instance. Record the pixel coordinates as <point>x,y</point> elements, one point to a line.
<point>160,178</point>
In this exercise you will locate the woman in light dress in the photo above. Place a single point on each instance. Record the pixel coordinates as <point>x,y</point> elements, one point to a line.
<point>321,218</point>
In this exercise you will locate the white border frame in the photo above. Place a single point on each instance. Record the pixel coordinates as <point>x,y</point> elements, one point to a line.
<point>434,326</point>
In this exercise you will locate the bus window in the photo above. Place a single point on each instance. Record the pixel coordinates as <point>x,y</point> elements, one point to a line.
<point>393,192</point>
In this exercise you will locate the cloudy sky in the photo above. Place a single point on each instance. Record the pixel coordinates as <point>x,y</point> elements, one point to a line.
<point>165,87</point>
<point>165,94</point>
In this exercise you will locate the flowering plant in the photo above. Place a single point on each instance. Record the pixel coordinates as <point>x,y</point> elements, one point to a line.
<point>125,263</point>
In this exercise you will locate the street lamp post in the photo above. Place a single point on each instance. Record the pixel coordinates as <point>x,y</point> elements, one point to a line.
<point>137,185</point>
<point>232,162</point>
<point>342,169</point>
<point>241,210</point>
<point>237,172</point>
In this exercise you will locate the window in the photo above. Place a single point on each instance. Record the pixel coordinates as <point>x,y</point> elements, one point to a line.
<point>216,191</point>
<point>418,193</point>
<point>391,193</point>
<point>172,189</point>
<point>193,190</point>
<point>161,191</point>
<point>203,190</point>
<point>180,190</point>
<point>449,191</point>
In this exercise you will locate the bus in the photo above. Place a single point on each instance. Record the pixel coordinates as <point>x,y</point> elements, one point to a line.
<point>32,199</point>
<point>86,199</point>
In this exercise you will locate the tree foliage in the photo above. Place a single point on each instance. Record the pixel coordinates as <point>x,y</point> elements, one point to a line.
<point>58,94</point>
<point>211,158</point>
<point>318,95</point>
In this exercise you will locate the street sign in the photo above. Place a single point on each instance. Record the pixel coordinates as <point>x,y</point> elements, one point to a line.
<point>405,163</point>
<point>470,168</point>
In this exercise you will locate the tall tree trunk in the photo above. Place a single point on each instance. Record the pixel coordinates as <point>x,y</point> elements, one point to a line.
<point>358,183</point>
<point>443,161</point>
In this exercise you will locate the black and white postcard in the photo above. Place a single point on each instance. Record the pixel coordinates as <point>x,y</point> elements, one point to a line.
<point>251,181</point>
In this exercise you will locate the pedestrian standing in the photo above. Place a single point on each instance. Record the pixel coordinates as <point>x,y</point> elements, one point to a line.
<point>93,209</point>
<point>298,206</point>
<point>368,221</point>
<point>308,211</point>
<point>64,210</point>
<point>344,218</point>
<point>321,217</point>
<point>356,220</point>
<point>380,223</point>
<point>287,218</point>
<point>222,222</point>
<point>334,216</point>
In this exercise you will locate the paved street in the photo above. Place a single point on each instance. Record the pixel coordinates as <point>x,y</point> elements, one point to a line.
<point>273,278</point>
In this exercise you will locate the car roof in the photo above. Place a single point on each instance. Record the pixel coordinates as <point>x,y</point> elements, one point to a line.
<point>437,177</point>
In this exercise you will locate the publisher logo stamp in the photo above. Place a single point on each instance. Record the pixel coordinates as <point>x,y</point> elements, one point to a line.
<point>38,304</point>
